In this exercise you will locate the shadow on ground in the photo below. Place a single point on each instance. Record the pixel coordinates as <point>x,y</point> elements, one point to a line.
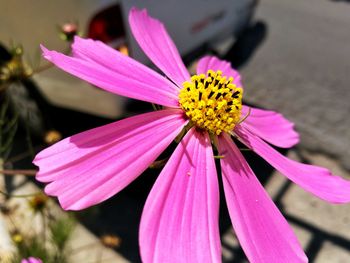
<point>344,1</point>
<point>247,44</point>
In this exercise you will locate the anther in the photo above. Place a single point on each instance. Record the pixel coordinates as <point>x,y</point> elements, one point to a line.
<point>235,94</point>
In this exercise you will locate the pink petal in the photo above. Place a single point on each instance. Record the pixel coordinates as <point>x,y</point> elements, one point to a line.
<point>31,260</point>
<point>119,75</point>
<point>213,63</point>
<point>98,52</point>
<point>317,180</point>
<point>270,126</point>
<point>92,166</point>
<point>263,233</point>
<point>154,40</point>
<point>180,218</point>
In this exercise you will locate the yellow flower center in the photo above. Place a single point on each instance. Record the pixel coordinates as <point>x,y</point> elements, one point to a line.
<point>212,102</point>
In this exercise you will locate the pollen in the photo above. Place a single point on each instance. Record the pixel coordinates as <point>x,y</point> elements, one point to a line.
<point>212,102</point>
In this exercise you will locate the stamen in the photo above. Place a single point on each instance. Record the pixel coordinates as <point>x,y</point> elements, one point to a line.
<point>216,106</point>
<point>246,116</point>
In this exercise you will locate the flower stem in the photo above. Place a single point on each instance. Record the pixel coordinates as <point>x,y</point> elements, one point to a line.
<point>22,172</point>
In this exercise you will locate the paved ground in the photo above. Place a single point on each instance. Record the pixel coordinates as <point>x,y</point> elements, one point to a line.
<point>302,69</point>
<point>322,229</point>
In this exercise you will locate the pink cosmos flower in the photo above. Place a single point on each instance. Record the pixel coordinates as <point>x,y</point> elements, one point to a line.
<point>180,218</point>
<point>31,260</point>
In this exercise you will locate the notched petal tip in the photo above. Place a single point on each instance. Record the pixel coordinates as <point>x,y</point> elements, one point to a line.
<point>46,52</point>
<point>70,207</point>
<point>153,38</point>
<point>80,42</point>
<point>134,9</point>
<point>134,12</point>
<point>77,39</point>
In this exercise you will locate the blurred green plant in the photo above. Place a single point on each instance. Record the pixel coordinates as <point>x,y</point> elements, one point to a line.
<point>32,246</point>
<point>12,65</point>
<point>61,231</point>
<point>54,250</point>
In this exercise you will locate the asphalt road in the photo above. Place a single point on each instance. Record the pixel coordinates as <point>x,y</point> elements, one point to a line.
<point>302,69</point>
